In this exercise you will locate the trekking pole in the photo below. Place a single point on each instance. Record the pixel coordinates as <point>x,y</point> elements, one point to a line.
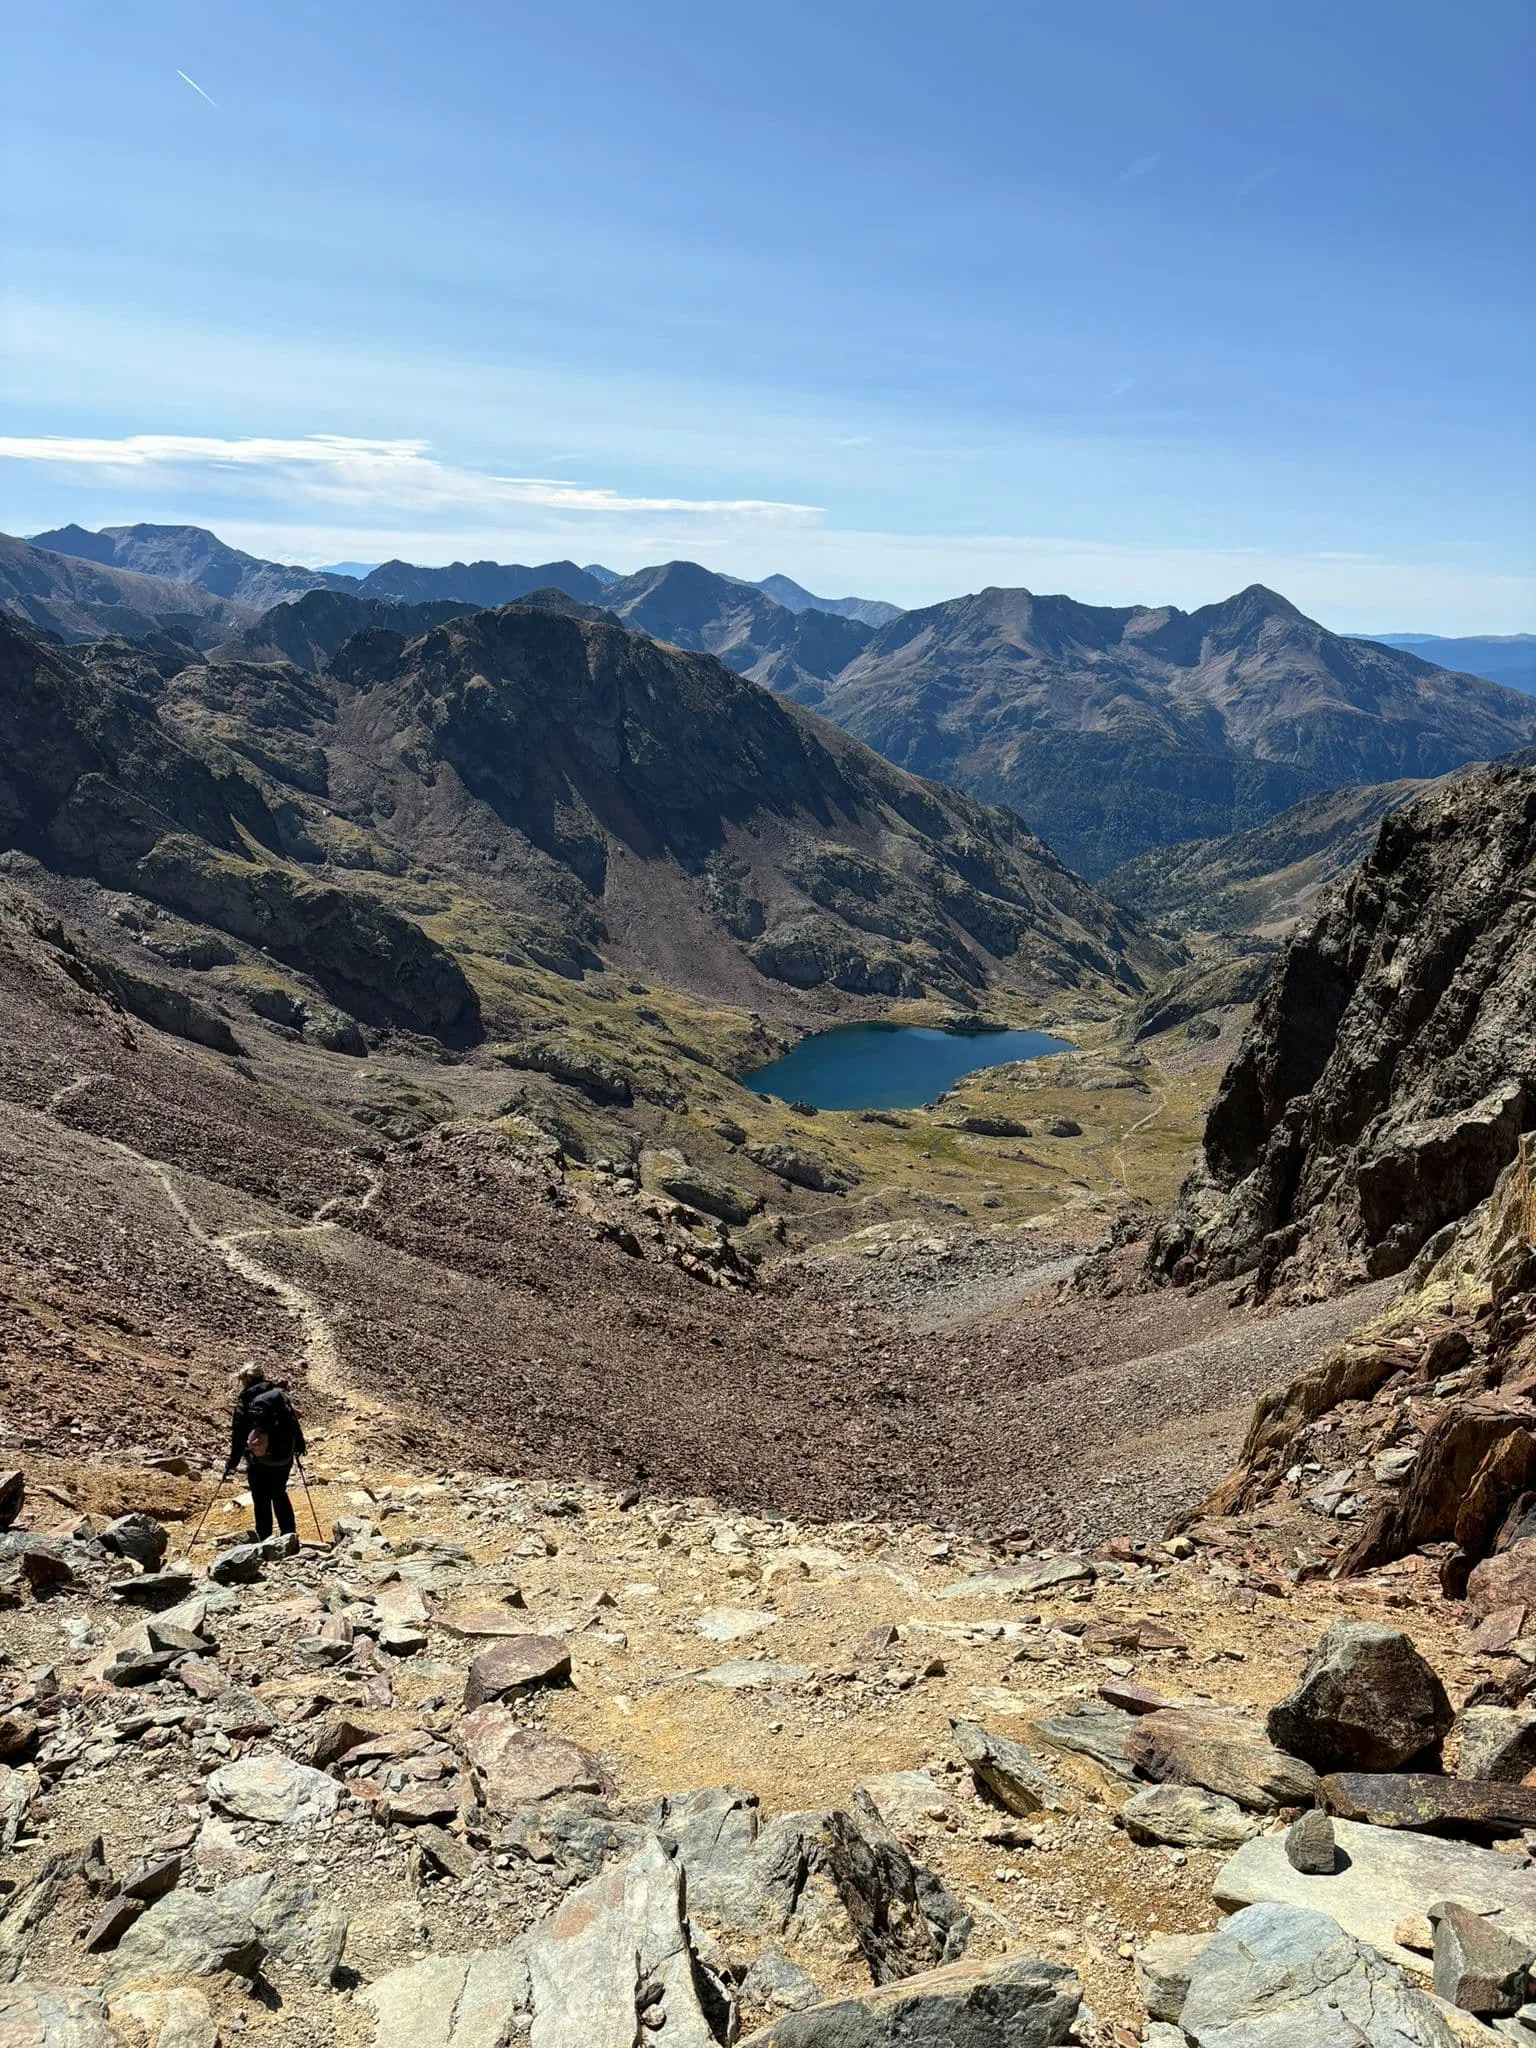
<point>207,1511</point>
<point>309,1497</point>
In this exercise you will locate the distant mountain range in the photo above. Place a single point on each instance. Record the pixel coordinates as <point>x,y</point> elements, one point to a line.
<point>1111,731</point>
<point>1508,658</point>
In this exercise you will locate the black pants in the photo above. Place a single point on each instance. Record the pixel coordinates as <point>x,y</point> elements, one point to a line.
<point>269,1494</point>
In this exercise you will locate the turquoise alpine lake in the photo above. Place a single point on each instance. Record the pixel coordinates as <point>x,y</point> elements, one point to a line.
<point>890,1066</point>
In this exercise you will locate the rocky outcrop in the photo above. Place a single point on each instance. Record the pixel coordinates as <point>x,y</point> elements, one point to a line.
<point>1390,1067</point>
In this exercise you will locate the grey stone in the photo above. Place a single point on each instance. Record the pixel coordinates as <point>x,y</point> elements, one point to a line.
<point>1385,1875</point>
<point>1188,1817</point>
<point>54,2016</point>
<point>455,2001</point>
<point>774,1980</point>
<point>1367,1701</point>
<point>732,1624</point>
<point>1310,1844</point>
<point>1018,2002</point>
<point>1158,2034</point>
<point>618,1940</point>
<point>27,1908</point>
<point>273,1789</point>
<point>902,1917</point>
<point>1006,1770</point>
<point>300,1929</point>
<point>155,1589</point>
<point>176,2017</point>
<point>1100,1733</point>
<point>191,1934</point>
<point>744,1674</point>
<point>1023,1580</point>
<point>1278,1977</point>
<point>742,1875</point>
<point>139,1537</point>
<point>1478,1966</point>
<point>1164,1965</point>
<point>241,1566</point>
<point>1497,1744</point>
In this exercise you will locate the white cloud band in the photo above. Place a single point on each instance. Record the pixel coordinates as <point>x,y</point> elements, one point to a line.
<point>383,476</point>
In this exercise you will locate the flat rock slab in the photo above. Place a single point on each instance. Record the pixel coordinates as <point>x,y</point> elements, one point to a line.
<point>1412,1799</point>
<point>1100,1733</point>
<point>1006,1771</point>
<point>1016,2003</point>
<point>732,1624</point>
<point>453,2001</point>
<point>1187,1816</point>
<point>519,1766</point>
<point>1223,1751</point>
<point>54,2016</point>
<point>1384,1875</point>
<point>192,1934</point>
<point>1026,1579</point>
<point>483,1617</point>
<point>1279,1977</point>
<point>273,1789</point>
<point>519,1665</point>
<point>744,1674</point>
<point>909,1801</point>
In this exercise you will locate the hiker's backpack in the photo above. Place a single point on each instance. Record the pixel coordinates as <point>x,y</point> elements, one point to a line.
<point>269,1415</point>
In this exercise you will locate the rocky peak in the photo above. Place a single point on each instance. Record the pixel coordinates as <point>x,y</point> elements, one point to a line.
<point>1391,1063</point>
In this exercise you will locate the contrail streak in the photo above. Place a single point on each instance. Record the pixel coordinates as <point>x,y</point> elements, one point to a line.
<point>196,88</point>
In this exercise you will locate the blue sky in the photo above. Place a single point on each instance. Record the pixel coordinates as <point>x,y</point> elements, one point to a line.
<point>1140,299</point>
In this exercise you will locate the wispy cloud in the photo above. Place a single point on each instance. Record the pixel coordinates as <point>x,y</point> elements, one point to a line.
<point>196,88</point>
<point>1140,168</point>
<point>1255,180</point>
<point>1120,388</point>
<point>386,477</point>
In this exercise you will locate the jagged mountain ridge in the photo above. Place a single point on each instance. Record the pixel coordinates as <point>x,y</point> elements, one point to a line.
<point>1115,730</point>
<point>580,784</point>
<point>75,600</point>
<point>1390,1067</point>
<point>191,554</point>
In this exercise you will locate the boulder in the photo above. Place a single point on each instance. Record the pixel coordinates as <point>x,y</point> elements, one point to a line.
<point>191,1934</point>
<point>155,1589</point>
<point>1006,1771</point>
<point>240,1566</point>
<point>1100,1733</point>
<point>668,1173</point>
<point>13,1495</point>
<point>618,1946</point>
<point>1423,1799</point>
<point>1507,1579</point>
<point>1476,1458</point>
<point>1383,1876</point>
<point>800,1169</point>
<point>273,1789</point>
<point>1222,1750</point>
<point>1017,2002</point>
<point>1479,1967</point>
<point>139,1537</point>
<point>743,1875</point>
<point>1310,1845</point>
<point>1498,1744</point>
<point>902,1917</point>
<point>1276,1976</point>
<point>517,1766</point>
<point>1164,1965</point>
<point>1187,1817</point>
<point>299,1928</point>
<point>515,1667</point>
<point>178,2017</point>
<point>452,2001</point>
<point>54,2016</point>
<point>1366,1701</point>
<point>18,1734</point>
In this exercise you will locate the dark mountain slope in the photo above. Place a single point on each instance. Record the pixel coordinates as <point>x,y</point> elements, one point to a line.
<point>79,600</point>
<point>482,584</point>
<point>310,629</point>
<point>708,829</point>
<point>1268,876</point>
<point>795,653</point>
<point>1391,1063</point>
<point>191,554</point>
<point>1114,731</point>
<point>96,781</point>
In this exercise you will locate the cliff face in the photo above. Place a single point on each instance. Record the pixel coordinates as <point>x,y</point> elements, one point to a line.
<point>1391,1063</point>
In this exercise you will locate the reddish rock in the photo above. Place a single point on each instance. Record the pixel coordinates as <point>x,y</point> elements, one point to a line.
<point>483,1618</point>
<point>1366,1701</point>
<point>202,1678</point>
<point>518,1766</point>
<point>113,1922</point>
<point>45,1571</point>
<point>521,1664</point>
<point>1477,1457</point>
<point>1421,1799</point>
<point>1505,1580</point>
<point>1131,1698</point>
<point>421,1805</point>
<point>1498,1633</point>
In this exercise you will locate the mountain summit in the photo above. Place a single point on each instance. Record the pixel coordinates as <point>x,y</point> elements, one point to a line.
<point>1114,730</point>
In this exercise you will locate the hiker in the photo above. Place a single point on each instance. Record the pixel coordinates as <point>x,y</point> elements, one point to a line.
<point>266,1433</point>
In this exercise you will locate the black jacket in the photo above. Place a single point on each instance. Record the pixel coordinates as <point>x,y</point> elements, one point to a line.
<point>256,1408</point>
